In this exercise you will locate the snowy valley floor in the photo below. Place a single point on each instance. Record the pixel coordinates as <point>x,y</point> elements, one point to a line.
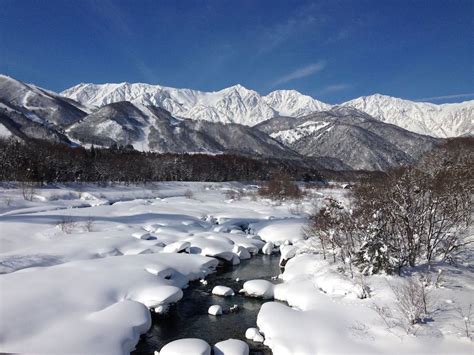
<point>81,267</point>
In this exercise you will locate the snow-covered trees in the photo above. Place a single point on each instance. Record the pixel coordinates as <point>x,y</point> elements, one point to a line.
<point>416,214</point>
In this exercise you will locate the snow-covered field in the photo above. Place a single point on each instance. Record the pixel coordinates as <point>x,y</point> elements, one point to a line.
<point>82,265</point>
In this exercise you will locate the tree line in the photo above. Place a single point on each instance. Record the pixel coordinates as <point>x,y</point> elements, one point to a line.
<point>44,162</point>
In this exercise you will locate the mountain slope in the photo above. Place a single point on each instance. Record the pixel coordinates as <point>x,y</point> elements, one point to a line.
<point>447,120</point>
<point>352,136</point>
<point>152,128</point>
<point>37,104</point>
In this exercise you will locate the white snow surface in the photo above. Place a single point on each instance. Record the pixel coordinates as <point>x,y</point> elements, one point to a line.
<point>80,267</point>
<point>188,346</point>
<point>81,280</point>
<point>308,128</point>
<point>324,315</point>
<point>231,347</point>
<point>277,231</point>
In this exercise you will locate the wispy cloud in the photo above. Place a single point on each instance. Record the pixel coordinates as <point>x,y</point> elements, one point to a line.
<point>301,20</point>
<point>454,96</point>
<point>114,17</point>
<point>302,72</point>
<point>336,87</point>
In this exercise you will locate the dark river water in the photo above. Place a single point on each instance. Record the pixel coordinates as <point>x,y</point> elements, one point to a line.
<point>189,318</point>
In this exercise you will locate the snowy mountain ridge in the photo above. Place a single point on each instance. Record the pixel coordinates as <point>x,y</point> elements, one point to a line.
<point>446,120</point>
<point>237,104</point>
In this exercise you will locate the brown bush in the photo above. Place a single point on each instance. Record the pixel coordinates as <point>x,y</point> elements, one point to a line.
<point>280,187</point>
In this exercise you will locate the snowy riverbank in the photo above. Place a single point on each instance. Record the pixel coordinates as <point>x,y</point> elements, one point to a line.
<point>81,266</point>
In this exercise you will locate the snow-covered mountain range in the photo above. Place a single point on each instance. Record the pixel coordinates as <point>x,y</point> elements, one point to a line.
<point>229,121</point>
<point>237,104</point>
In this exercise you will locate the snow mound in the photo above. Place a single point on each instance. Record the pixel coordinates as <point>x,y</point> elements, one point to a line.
<point>231,347</point>
<point>287,252</point>
<point>154,297</point>
<point>176,247</point>
<point>277,231</point>
<point>188,346</point>
<point>258,288</point>
<point>268,248</point>
<point>222,291</point>
<point>254,334</point>
<point>241,252</point>
<point>142,235</point>
<point>215,310</point>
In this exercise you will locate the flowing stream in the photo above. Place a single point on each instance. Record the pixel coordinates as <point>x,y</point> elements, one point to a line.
<point>189,317</point>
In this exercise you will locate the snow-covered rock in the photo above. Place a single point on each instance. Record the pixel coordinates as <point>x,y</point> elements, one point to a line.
<point>188,346</point>
<point>241,252</point>
<point>251,333</point>
<point>277,231</point>
<point>254,335</point>
<point>258,288</point>
<point>222,291</point>
<point>176,247</point>
<point>268,248</point>
<point>286,253</point>
<point>142,235</point>
<point>231,347</point>
<point>215,310</point>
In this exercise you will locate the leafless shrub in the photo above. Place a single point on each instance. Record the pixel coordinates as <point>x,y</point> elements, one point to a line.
<point>233,194</point>
<point>364,287</point>
<point>28,190</point>
<point>67,224</point>
<point>79,191</point>
<point>280,187</point>
<point>8,201</point>
<point>296,208</point>
<point>439,280</point>
<point>467,317</point>
<point>386,316</point>
<point>413,301</point>
<point>188,194</point>
<point>89,224</point>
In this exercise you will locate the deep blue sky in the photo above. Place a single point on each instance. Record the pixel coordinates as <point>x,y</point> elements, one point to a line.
<point>332,50</point>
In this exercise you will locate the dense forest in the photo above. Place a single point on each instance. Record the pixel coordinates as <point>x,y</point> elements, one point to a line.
<point>40,161</point>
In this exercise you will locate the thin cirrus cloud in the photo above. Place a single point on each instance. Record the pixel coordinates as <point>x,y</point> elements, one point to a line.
<point>454,96</point>
<point>301,20</point>
<point>299,73</point>
<point>336,88</point>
